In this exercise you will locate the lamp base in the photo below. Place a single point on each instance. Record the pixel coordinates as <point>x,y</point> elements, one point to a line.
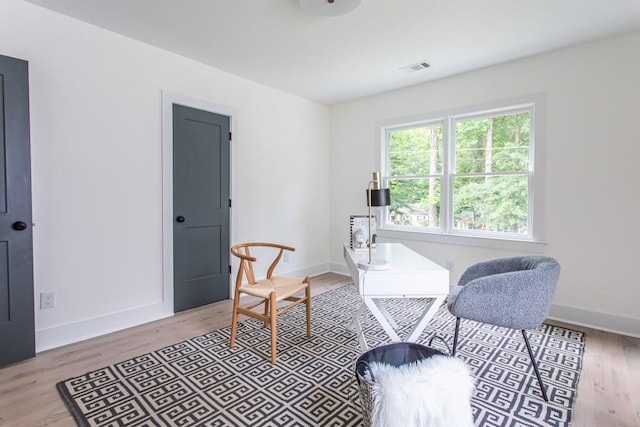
<point>376,264</point>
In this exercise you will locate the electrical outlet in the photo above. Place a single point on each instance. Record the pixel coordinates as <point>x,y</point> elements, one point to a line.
<point>47,300</point>
<point>285,257</point>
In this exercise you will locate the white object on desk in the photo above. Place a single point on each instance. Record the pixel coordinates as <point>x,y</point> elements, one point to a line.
<point>411,276</point>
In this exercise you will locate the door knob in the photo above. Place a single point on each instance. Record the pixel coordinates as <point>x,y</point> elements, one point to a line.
<point>19,225</point>
<point>180,218</point>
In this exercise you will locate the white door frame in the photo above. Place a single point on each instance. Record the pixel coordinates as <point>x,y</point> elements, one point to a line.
<point>168,99</point>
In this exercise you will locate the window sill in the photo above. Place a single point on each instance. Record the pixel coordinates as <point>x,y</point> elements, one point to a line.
<point>480,242</point>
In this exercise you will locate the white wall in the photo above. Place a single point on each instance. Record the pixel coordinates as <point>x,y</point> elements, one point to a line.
<point>593,146</point>
<point>96,148</point>
<point>97,168</point>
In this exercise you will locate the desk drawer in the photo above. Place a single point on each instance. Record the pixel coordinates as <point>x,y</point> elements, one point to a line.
<point>405,285</point>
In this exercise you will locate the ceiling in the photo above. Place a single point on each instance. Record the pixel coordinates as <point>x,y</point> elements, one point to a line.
<point>336,59</point>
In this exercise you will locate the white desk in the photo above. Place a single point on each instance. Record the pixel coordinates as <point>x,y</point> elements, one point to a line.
<point>411,276</point>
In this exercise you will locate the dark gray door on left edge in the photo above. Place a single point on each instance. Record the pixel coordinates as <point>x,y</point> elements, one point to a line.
<point>17,329</point>
<point>201,147</point>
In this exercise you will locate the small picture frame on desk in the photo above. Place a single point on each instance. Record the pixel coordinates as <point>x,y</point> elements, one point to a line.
<point>359,232</point>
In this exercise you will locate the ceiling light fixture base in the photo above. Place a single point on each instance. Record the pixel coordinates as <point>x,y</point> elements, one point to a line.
<point>329,7</point>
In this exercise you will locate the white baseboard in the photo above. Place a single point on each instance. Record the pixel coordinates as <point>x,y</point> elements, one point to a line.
<point>57,336</point>
<point>307,271</point>
<point>596,320</point>
<point>70,333</point>
<point>340,269</point>
<point>576,316</point>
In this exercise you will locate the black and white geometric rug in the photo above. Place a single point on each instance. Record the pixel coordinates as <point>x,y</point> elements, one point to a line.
<point>202,382</point>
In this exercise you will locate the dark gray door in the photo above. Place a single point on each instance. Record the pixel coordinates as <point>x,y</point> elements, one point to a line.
<point>201,207</point>
<point>17,329</point>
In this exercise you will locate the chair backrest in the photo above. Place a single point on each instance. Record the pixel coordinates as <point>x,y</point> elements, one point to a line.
<point>246,268</point>
<point>508,265</point>
<point>514,292</point>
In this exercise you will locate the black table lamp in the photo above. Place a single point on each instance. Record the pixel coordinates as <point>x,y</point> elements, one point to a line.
<point>376,196</point>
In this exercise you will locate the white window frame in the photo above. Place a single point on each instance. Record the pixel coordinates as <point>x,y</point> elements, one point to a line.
<point>534,240</point>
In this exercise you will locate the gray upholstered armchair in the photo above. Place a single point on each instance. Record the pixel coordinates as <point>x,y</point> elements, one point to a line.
<point>514,292</point>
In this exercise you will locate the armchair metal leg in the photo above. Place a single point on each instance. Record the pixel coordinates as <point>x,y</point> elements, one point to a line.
<point>455,337</point>
<point>535,366</point>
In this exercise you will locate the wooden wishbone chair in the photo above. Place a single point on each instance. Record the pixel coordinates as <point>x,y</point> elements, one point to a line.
<point>270,291</point>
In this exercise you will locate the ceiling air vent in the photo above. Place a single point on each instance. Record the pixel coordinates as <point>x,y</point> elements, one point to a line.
<point>423,65</point>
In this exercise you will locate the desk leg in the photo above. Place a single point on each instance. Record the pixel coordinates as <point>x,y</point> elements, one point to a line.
<point>385,313</point>
<point>355,322</point>
<point>361,338</point>
<point>356,326</point>
<point>429,312</point>
<point>382,318</point>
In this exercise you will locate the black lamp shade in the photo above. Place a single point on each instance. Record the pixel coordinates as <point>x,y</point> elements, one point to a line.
<point>379,197</point>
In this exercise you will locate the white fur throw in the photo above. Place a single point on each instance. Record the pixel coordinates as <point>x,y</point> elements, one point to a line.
<point>433,392</point>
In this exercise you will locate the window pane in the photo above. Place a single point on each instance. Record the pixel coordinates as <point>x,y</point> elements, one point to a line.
<point>493,144</point>
<point>491,203</point>
<point>415,202</point>
<point>416,151</point>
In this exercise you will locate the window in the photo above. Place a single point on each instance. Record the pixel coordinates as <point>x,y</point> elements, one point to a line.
<point>465,174</point>
<point>415,175</point>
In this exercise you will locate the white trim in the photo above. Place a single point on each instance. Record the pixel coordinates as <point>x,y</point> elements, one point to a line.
<point>459,240</point>
<point>534,241</point>
<point>596,320</point>
<point>340,268</point>
<point>312,271</point>
<point>168,99</point>
<point>572,315</point>
<point>57,336</point>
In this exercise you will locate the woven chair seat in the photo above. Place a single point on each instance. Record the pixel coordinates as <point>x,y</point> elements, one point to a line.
<point>284,287</point>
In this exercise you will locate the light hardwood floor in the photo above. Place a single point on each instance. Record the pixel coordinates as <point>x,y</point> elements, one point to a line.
<point>608,392</point>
